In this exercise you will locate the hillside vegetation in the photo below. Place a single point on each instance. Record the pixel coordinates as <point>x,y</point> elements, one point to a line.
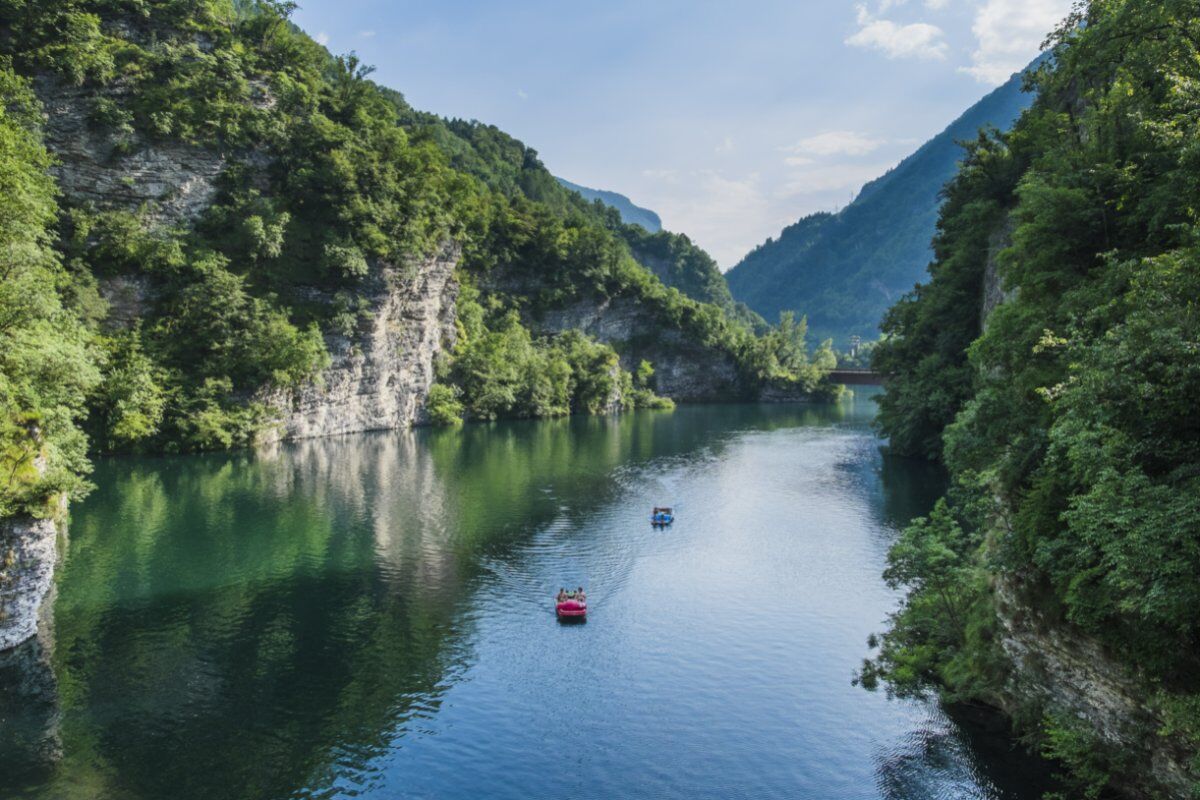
<point>631,214</point>
<point>843,270</point>
<point>1067,421</point>
<point>324,178</point>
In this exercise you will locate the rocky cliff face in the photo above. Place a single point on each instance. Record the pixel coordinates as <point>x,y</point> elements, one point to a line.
<point>28,552</point>
<point>1065,672</point>
<point>683,370</point>
<point>994,293</point>
<point>380,375</point>
<point>172,182</point>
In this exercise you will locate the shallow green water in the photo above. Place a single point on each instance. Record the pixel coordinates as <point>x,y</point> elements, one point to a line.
<point>370,616</point>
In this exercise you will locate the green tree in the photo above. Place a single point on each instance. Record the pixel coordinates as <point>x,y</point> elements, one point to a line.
<point>47,363</point>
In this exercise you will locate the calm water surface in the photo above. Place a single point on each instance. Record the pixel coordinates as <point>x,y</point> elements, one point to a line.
<point>370,616</point>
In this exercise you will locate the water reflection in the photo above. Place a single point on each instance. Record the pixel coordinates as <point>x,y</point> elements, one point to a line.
<point>961,753</point>
<point>30,739</point>
<point>909,487</point>
<point>367,616</point>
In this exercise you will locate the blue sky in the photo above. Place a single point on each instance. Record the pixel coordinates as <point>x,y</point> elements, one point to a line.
<point>730,119</point>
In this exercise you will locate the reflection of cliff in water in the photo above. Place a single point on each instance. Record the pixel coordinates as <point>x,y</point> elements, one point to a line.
<point>30,743</point>
<point>275,620</point>
<point>962,755</point>
<point>261,622</point>
<point>910,488</point>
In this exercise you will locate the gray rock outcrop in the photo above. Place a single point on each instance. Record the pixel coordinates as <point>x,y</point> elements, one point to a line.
<point>170,181</point>
<point>380,375</point>
<point>1067,672</point>
<point>28,552</point>
<point>684,370</point>
<point>994,293</point>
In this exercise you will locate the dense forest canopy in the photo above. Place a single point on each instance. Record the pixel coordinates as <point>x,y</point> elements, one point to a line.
<point>47,363</point>
<point>1067,418</point>
<point>323,178</point>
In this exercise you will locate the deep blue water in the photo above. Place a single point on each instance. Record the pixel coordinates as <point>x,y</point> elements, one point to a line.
<point>371,616</point>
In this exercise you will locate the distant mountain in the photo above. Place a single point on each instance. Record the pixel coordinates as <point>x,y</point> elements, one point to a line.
<point>844,270</point>
<point>630,214</point>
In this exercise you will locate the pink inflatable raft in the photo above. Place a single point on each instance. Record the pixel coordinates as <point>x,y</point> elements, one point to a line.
<point>571,608</point>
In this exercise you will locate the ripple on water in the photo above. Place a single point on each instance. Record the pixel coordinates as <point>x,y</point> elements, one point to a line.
<point>371,617</point>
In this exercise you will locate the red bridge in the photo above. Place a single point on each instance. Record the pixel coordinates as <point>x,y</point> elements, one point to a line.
<point>856,377</point>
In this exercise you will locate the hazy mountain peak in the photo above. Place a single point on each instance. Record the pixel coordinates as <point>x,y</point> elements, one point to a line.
<point>630,214</point>
<point>844,269</point>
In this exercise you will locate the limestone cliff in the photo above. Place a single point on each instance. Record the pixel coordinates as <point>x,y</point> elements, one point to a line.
<point>171,181</point>
<point>1060,670</point>
<point>28,552</point>
<point>994,293</point>
<point>380,374</point>
<point>684,370</point>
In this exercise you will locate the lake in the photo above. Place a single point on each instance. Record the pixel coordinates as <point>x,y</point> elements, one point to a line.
<point>371,616</point>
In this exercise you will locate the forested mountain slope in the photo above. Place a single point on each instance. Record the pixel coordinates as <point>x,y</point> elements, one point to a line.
<point>673,257</point>
<point>1050,360</point>
<point>630,214</point>
<point>220,233</point>
<point>843,270</point>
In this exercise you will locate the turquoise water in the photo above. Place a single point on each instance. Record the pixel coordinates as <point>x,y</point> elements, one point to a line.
<point>371,616</point>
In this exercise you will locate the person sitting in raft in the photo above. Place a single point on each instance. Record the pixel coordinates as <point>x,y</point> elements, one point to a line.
<point>580,596</point>
<point>562,596</point>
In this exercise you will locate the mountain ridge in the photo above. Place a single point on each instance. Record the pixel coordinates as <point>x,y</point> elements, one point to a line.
<point>844,269</point>
<point>631,213</point>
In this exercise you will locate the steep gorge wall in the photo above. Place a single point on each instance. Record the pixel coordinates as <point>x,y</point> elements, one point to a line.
<point>994,293</point>
<point>1061,670</point>
<point>684,370</point>
<point>1065,672</point>
<point>173,182</point>
<point>380,375</point>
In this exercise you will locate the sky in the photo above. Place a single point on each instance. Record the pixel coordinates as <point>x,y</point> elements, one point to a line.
<point>729,119</point>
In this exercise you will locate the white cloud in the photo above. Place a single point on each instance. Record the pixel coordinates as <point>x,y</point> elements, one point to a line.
<point>725,213</point>
<point>830,178</point>
<point>367,34</point>
<point>521,93</point>
<point>1008,35</point>
<point>914,40</point>
<point>725,146</point>
<point>322,38</point>
<point>835,143</point>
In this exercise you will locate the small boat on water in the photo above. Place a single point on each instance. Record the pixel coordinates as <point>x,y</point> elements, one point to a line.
<point>571,605</point>
<point>571,609</point>
<point>661,517</point>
